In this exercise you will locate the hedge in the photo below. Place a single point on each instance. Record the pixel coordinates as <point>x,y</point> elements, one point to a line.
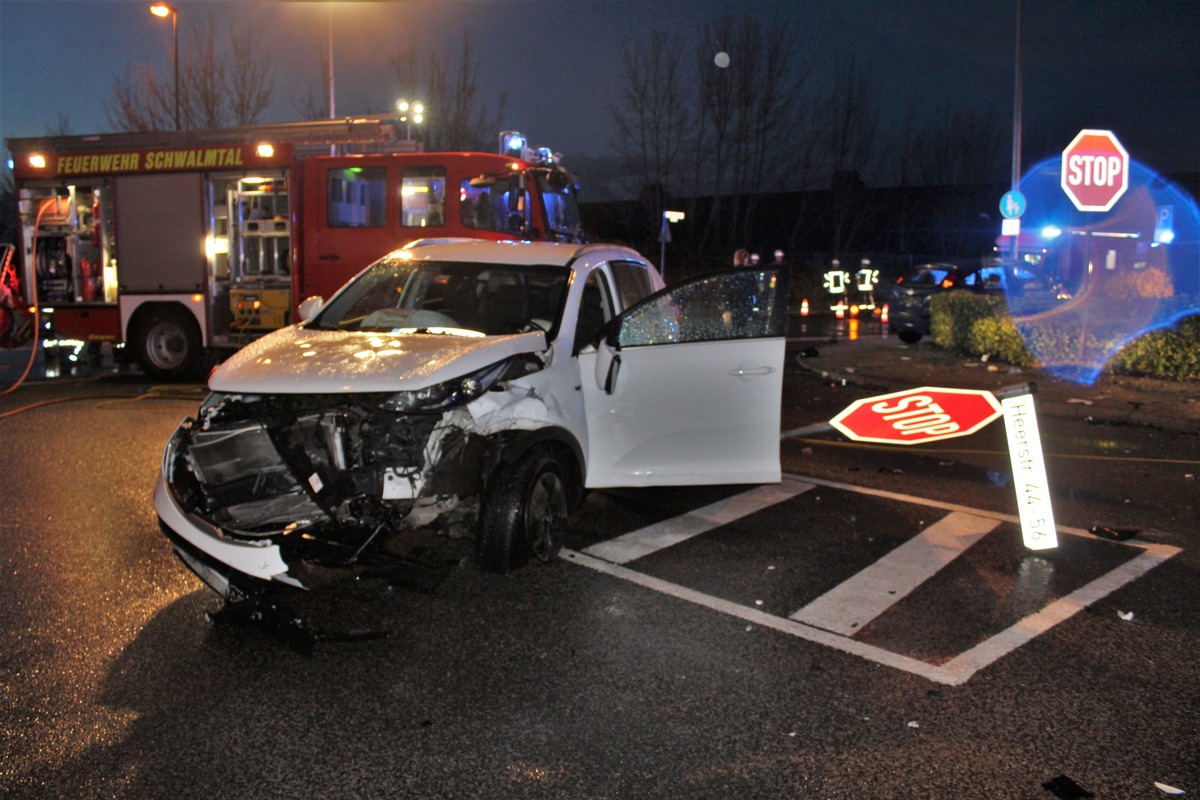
<point>977,325</point>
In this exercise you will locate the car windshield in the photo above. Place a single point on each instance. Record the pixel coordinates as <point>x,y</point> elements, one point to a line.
<point>399,295</point>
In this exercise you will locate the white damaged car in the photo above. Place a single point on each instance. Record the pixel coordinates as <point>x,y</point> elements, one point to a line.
<point>475,389</point>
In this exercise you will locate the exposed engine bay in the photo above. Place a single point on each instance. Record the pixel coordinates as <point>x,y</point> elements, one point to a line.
<point>330,477</point>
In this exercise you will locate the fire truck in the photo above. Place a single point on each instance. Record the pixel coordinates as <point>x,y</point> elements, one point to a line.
<point>179,243</point>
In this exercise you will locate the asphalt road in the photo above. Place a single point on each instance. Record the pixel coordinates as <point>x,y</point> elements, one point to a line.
<point>671,676</point>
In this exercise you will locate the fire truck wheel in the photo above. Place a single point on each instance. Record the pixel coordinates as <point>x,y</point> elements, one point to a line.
<point>167,345</point>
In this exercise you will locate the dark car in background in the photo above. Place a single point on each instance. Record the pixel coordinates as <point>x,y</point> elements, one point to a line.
<point>908,303</point>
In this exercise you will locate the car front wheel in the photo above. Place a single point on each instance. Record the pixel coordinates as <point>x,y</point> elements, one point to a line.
<point>524,513</point>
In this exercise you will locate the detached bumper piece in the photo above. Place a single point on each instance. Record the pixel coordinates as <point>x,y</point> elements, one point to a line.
<point>284,625</point>
<point>248,601</point>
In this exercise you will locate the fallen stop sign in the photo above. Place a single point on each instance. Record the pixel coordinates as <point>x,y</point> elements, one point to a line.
<point>1095,170</point>
<point>916,416</point>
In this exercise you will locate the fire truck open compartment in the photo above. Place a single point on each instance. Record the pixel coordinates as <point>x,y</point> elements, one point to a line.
<point>177,242</point>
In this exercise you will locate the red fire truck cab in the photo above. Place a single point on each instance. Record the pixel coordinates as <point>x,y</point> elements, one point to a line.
<point>176,242</point>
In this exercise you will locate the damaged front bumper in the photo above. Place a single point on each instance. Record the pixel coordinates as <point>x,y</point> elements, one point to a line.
<point>217,560</point>
<point>295,490</point>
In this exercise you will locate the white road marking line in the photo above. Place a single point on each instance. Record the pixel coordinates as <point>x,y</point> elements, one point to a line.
<point>760,618</point>
<point>849,606</point>
<point>993,648</point>
<point>955,672</point>
<point>636,544</point>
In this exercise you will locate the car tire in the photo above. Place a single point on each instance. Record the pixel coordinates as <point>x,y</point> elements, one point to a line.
<point>523,513</point>
<point>909,336</point>
<point>167,345</point>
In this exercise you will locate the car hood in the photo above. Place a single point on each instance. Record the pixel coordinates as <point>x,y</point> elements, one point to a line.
<point>298,361</point>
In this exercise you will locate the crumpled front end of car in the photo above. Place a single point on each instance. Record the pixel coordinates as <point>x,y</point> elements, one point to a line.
<point>258,488</point>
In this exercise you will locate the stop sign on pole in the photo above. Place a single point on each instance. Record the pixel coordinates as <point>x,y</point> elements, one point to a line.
<point>916,416</point>
<point>1095,170</point>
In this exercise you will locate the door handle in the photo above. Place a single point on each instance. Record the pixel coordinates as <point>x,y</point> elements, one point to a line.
<point>329,257</point>
<point>751,372</point>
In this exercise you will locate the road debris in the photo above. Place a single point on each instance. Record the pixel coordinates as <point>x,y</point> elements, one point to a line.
<point>1114,534</point>
<point>1125,615</point>
<point>1065,788</point>
<point>1167,789</point>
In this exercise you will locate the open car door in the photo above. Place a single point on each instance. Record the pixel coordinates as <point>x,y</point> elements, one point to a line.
<point>685,387</point>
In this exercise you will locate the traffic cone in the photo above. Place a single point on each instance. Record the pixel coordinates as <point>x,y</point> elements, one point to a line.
<point>804,307</point>
<point>883,316</point>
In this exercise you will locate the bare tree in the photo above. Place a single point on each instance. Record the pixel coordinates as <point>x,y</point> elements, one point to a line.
<point>850,120</point>
<point>315,105</point>
<point>960,146</point>
<point>202,79</point>
<point>250,89</point>
<point>749,117</point>
<point>457,117</point>
<point>212,93</point>
<point>653,117</point>
<point>140,102</point>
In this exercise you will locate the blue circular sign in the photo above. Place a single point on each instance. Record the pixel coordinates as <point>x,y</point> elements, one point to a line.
<point>1012,204</point>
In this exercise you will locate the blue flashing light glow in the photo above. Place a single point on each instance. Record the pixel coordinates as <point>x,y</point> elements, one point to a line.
<point>512,142</point>
<point>1091,282</point>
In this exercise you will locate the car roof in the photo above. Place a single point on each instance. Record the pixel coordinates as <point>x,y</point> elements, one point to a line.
<point>942,266</point>
<point>512,251</point>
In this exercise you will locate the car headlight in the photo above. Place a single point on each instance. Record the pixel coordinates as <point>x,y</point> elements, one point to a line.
<point>449,394</point>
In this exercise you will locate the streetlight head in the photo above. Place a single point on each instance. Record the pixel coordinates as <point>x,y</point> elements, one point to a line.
<point>402,106</point>
<point>161,10</point>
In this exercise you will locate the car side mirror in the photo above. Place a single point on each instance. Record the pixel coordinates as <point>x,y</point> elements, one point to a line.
<point>310,306</point>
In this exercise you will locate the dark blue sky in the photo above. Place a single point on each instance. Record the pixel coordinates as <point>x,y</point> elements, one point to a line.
<point>1129,65</point>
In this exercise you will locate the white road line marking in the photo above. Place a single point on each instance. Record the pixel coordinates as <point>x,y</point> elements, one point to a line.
<point>760,618</point>
<point>636,544</point>
<point>993,648</point>
<point>849,606</point>
<point>955,672</point>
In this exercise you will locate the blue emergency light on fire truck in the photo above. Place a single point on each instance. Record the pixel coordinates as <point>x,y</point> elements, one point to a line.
<point>175,243</point>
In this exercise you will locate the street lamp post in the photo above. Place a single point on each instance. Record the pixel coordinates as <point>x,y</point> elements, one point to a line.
<point>1016,141</point>
<point>162,10</point>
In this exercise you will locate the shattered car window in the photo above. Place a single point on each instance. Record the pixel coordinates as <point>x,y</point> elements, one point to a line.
<point>462,298</point>
<point>731,305</point>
